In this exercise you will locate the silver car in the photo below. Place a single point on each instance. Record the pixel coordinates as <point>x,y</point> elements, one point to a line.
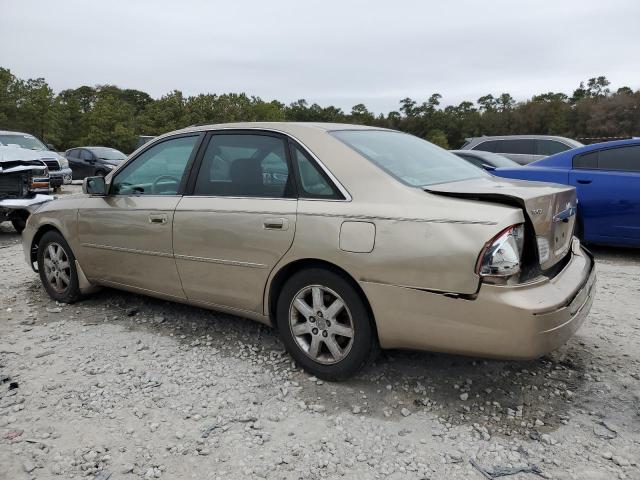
<point>521,148</point>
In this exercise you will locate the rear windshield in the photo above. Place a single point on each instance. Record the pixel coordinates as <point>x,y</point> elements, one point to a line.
<point>410,159</point>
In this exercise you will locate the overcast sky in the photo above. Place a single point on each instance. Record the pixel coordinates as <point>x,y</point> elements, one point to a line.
<point>330,52</point>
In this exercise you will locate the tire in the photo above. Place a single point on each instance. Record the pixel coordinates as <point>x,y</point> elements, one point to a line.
<point>64,267</point>
<point>19,224</point>
<point>321,343</point>
<point>100,173</point>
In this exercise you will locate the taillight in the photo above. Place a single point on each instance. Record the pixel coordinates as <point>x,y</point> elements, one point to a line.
<point>502,255</point>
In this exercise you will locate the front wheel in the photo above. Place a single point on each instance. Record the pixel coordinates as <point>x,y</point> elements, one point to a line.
<point>57,268</point>
<point>325,324</point>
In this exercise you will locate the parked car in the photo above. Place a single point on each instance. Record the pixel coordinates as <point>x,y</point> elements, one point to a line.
<point>486,160</point>
<point>142,139</point>
<point>24,184</point>
<point>374,238</point>
<point>607,178</point>
<point>521,148</point>
<point>59,171</point>
<point>92,161</point>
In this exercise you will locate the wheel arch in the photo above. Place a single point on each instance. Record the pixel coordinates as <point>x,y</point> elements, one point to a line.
<point>286,271</point>
<point>33,249</point>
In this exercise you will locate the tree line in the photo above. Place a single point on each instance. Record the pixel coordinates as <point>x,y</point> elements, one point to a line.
<point>112,116</point>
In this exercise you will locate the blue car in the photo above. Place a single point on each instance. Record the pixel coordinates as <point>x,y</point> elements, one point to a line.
<point>607,180</point>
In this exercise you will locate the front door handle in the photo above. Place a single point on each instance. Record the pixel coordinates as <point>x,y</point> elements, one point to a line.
<point>584,182</point>
<point>158,218</point>
<point>276,223</point>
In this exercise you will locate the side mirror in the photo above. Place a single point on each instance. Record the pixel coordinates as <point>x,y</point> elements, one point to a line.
<point>51,147</point>
<point>94,186</point>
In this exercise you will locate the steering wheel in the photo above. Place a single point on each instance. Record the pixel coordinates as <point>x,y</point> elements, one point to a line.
<point>154,185</point>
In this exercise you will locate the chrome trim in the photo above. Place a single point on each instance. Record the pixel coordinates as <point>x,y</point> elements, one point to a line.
<point>127,250</point>
<point>220,261</point>
<point>290,199</point>
<point>214,210</point>
<point>336,182</point>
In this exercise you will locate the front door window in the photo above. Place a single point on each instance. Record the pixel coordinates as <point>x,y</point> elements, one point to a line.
<point>156,171</point>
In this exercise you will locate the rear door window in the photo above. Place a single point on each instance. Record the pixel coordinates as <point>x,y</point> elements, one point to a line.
<point>245,165</point>
<point>622,158</point>
<point>550,147</point>
<point>519,147</point>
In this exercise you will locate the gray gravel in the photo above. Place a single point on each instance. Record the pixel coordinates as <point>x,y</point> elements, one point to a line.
<point>122,386</point>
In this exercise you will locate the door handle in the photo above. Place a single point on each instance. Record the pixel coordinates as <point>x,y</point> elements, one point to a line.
<point>276,223</point>
<point>584,182</point>
<point>158,218</point>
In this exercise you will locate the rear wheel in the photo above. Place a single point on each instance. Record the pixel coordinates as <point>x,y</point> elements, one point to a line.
<point>325,324</point>
<point>100,173</point>
<point>57,268</point>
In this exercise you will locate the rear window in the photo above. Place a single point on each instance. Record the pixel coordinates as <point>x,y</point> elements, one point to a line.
<point>407,158</point>
<point>621,158</point>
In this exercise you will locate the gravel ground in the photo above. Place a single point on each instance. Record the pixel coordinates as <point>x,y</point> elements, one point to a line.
<point>122,386</point>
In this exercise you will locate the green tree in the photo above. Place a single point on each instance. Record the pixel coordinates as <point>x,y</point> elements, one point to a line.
<point>110,123</point>
<point>34,112</point>
<point>163,115</point>
<point>360,114</point>
<point>438,137</point>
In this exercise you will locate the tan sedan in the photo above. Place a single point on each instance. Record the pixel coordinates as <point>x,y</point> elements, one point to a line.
<point>346,238</point>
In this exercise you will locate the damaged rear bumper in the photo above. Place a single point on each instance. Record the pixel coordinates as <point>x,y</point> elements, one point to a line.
<point>520,322</point>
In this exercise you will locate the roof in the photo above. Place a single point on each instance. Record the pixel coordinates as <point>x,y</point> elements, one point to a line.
<point>526,137</point>
<point>601,145</point>
<point>286,127</point>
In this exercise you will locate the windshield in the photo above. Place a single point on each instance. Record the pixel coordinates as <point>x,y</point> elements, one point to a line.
<point>109,154</point>
<point>23,141</point>
<point>496,160</point>
<point>410,159</point>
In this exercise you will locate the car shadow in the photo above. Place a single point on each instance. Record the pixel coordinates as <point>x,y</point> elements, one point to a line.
<point>510,397</point>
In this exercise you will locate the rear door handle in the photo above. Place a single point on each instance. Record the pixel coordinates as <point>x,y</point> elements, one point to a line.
<point>276,223</point>
<point>584,182</point>
<point>158,218</point>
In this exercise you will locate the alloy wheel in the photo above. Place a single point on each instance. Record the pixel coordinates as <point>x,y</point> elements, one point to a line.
<point>57,268</point>
<point>321,324</point>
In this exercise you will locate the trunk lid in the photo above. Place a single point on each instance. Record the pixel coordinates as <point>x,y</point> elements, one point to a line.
<point>551,209</point>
